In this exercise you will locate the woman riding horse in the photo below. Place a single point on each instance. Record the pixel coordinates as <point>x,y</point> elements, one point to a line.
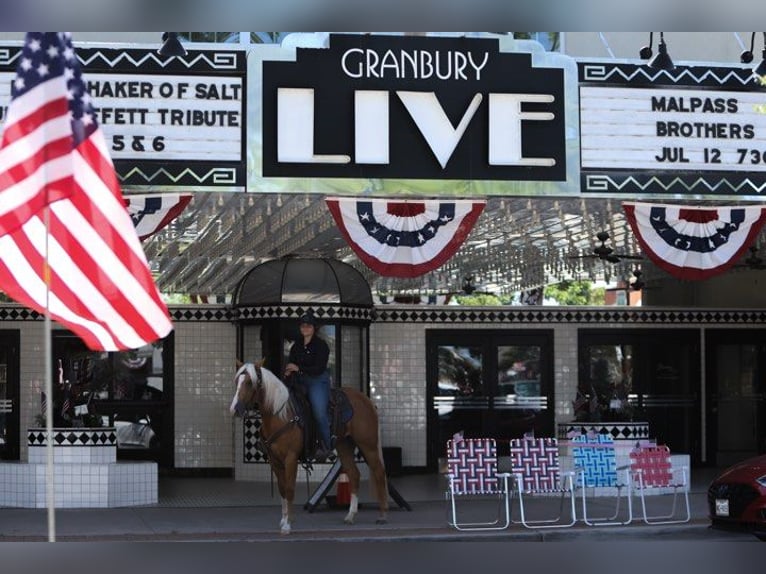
<point>283,438</point>
<point>307,365</point>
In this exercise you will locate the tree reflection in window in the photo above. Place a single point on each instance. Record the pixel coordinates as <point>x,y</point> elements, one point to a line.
<point>460,371</point>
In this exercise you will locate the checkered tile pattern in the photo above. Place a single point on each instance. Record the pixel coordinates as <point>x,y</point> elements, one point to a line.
<point>472,466</point>
<point>596,459</point>
<point>654,465</point>
<point>537,461</point>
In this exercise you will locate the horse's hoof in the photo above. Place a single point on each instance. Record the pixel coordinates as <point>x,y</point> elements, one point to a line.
<point>349,520</point>
<point>285,531</point>
<point>381,521</point>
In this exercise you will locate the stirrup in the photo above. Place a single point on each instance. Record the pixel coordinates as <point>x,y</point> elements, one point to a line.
<point>260,446</point>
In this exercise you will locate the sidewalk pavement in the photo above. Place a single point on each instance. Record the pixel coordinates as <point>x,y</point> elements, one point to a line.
<point>227,514</point>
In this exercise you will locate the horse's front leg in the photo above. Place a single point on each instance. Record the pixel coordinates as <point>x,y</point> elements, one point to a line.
<point>287,491</point>
<point>284,522</point>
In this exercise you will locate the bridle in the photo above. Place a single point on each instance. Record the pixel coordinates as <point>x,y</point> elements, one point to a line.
<point>267,442</point>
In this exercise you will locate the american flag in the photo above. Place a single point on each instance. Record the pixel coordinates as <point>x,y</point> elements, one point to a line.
<point>98,280</point>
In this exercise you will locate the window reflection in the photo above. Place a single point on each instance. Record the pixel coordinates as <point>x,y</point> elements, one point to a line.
<point>460,371</point>
<point>125,390</point>
<point>126,375</point>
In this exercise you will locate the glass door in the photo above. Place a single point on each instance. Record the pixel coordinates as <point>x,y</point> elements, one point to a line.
<point>645,376</point>
<point>488,384</point>
<point>524,387</point>
<point>736,395</point>
<point>9,395</point>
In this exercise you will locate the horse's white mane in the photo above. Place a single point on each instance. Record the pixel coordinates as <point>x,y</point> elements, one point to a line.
<point>275,393</point>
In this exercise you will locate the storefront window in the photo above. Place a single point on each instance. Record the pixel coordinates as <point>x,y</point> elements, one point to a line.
<point>128,390</point>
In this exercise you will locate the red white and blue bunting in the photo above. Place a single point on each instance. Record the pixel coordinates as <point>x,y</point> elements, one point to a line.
<point>404,238</point>
<point>694,242</point>
<point>150,213</point>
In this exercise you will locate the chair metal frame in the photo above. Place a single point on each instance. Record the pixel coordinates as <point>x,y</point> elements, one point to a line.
<point>596,467</point>
<point>536,471</point>
<point>651,467</point>
<point>472,472</point>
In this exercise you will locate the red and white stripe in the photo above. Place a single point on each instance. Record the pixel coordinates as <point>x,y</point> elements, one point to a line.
<point>100,283</point>
<point>35,164</point>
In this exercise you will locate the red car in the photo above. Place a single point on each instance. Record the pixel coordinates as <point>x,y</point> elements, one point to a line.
<point>737,497</point>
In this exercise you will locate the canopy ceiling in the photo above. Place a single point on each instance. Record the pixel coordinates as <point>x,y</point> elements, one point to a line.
<point>518,243</point>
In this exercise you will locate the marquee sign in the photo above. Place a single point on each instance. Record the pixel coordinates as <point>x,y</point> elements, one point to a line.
<point>176,122</point>
<point>414,108</point>
<point>692,131</point>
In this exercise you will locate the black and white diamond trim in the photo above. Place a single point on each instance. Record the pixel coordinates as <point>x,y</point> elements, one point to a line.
<point>74,437</point>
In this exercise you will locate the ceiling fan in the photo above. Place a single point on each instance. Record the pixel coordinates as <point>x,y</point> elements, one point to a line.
<point>468,287</point>
<point>606,253</point>
<point>753,260</point>
<point>637,284</point>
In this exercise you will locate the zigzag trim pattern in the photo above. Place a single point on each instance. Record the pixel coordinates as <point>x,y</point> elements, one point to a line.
<point>600,182</point>
<point>219,175</point>
<point>606,72</point>
<point>219,61</point>
<point>197,60</point>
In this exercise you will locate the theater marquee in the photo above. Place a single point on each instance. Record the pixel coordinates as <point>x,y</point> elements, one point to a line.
<point>176,122</point>
<point>406,115</point>
<point>693,131</point>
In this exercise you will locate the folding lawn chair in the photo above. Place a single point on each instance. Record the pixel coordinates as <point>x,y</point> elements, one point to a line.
<point>651,470</point>
<point>596,468</point>
<point>472,473</point>
<point>536,470</point>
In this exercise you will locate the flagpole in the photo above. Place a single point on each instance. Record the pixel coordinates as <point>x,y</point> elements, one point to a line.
<point>49,483</point>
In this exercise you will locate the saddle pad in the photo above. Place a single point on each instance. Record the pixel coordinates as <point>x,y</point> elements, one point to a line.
<point>342,406</point>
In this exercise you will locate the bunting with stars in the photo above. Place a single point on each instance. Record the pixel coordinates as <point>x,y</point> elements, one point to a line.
<point>404,238</point>
<point>692,242</point>
<point>151,213</point>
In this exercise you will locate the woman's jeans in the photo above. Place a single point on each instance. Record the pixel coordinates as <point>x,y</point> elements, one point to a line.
<point>318,390</point>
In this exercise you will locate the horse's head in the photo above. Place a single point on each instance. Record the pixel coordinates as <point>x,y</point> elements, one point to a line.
<point>257,385</point>
<point>247,389</point>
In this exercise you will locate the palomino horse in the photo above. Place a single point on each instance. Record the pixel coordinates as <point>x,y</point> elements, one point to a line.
<point>283,438</point>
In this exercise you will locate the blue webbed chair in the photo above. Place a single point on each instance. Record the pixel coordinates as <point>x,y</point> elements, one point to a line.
<point>596,471</point>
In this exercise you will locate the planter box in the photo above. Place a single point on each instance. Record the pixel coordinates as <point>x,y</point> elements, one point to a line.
<point>86,473</point>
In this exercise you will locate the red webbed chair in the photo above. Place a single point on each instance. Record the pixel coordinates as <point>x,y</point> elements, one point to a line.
<point>651,470</point>
<point>472,473</point>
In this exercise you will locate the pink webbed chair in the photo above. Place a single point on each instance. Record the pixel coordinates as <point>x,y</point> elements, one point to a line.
<point>652,472</point>
<point>472,473</point>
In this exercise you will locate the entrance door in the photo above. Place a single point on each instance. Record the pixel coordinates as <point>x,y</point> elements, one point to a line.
<point>644,375</point>
<point>488,384</point>
<point>9,395</point>
<point>736,395</point>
